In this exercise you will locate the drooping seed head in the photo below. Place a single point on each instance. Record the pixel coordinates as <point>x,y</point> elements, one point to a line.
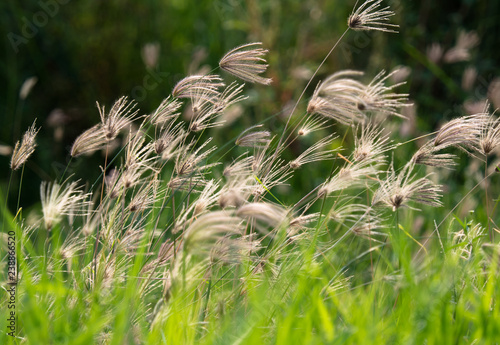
<point>24,149</point>
<point>246,62</point>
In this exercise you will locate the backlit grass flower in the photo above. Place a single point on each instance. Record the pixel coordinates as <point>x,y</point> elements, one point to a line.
<point>91,140</point>
<point>489,138</point>
<point>119,117</point>
<point>246,62</point>
<point>24,149</point>
<point>250,138</point>
<point>199,87</point>
<point>166,112</point>
<point>371,144</point>
<point>399,189</point>
<point>314,153</point>
<point>58,201</point>
<point>379,97</point>
<point>369,16</point>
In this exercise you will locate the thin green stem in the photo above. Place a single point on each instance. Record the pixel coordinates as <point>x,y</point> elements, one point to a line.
<point>487,199</point>
<point>20,187</point>
<point>6,200</point>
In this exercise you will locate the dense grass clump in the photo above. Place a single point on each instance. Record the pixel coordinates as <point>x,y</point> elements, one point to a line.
<point>175,243</point>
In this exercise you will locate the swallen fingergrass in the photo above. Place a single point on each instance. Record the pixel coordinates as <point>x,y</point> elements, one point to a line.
<point>169,216</point>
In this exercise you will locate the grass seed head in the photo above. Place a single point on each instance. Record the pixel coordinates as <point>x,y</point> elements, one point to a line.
<point>246,62</point>
<point>369,16</point>
<point>24,149</point>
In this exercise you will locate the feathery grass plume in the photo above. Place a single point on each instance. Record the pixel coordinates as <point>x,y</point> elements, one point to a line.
<point>119,117</point>
<point>203,117</point>
<point>345,210</point>
<point>24,149</point>
<point>241,166</point>
<point>146,196</point>
<point>250,138</point>
<point>169,142</point>
<point>150,53</point>
<point>199,88</point>
<point>5,150</point>
<point>230,96</point>
<point>312,124</point>
<point>434,52</point>
<point>166,112</point>
<point>337,98</point>
<point>361,219</point>
<point>338,112</point>
<point>27,87</point>
<point>381,98</point>
<point>132,176</point>
<point>342,82</point>
<point>111,181</point>
<point>233,250</point>
<point>58,201</point>
<point>494,92</point>
<point>233,195</point>
<point>464,242</point>
<point>270,214</point>
<point>298,227</point>
<point>246,63</point>
<point>208,229</point>
<point>399,189</point>
<point>191,184</point>
<point>461,51</point>
<point>239,177</point>
<point>353,175</point>
<point>462,132</point>
<point>489,138</point>
<point>92,219</point>
<point>207,198</point>
<point>71,247</point>
<point>428,155</point>
<point>469,78</point>
<point>369,16</point>
<point>268,172</point>
<point>188,162</point>
<point>368,228</point>
<point>138,153</point>
<point>302,221</point>
<point>88,142</point>
<point>371,144</point>
<point>313,153</point>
